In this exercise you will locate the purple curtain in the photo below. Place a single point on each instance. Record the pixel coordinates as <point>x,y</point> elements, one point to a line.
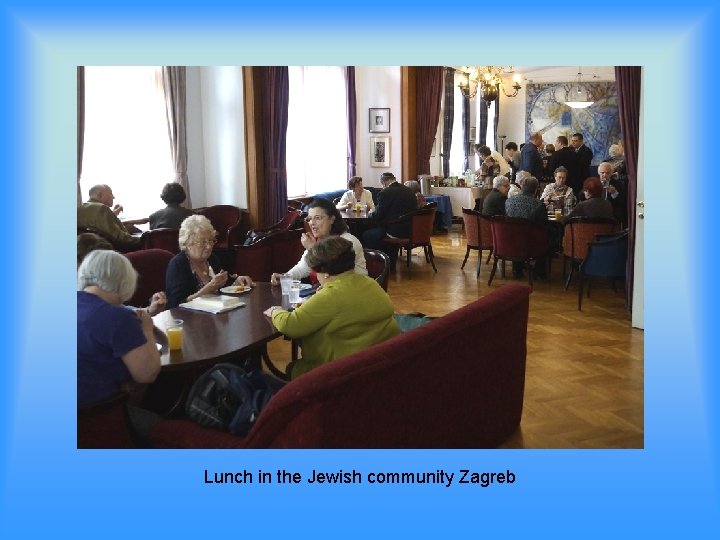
<point>466,132</point>
<point>482,131</point>
<point>351,107</point>
<point>429,91</point>
<point>80,126</point>
<point>173,81</point>
<point>495,124</point>
<point>448,117</point>
<point>275,88</point>
<point>628,79</point>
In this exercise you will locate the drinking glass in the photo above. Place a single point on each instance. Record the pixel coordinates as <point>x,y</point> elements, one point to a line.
<point>285,283</point>
<point>175,335</point>
<point>294,293</point>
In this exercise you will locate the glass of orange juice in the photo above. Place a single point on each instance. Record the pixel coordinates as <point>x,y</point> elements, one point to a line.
<point>175,335</point>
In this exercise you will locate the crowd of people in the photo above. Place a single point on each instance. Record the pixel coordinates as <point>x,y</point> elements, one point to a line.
<point>349,311</point>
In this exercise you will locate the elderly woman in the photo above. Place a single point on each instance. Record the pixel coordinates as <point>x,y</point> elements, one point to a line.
<point>414,185</point>
<point>516,188</point>
<point>594,205</point>
<point>348,313</point>
<point>115,344</point>
<point>356,194</point>
<point>558,193</point>
<point>196,271</point>
<point>172,216</point>
<point>324,220</point>
<point>88,242</point>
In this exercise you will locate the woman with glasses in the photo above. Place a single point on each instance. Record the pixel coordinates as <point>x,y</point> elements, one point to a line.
<point>323,220</point>
<point>196,271</point>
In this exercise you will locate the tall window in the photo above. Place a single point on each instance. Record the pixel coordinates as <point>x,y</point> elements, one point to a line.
<point>317,130</point>
<point>126,136</point>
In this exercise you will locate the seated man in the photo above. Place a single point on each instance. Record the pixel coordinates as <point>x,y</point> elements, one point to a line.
<point>526,206</point>
<point>97,213</point>
<point>394,201</point>
<point>613,191</point>
<point>494,203</point>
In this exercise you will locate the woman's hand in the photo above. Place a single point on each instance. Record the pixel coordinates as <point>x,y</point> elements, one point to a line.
<point>307,240</point>
<point>275,279</point>
<point>145,321</point>
<point>157,303</point>
<point>219,280</point>
<point>269,311</point>
<point>244,280</point>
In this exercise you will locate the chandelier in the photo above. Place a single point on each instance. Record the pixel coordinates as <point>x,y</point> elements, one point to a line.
<point>578,97</point>
<point>488,80</point>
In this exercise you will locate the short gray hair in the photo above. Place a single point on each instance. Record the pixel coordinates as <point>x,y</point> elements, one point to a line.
<point>109,271</point>
<point>521,176</point>
<point>500,180</point>
<point>193,226</point>
<point>615,151</point>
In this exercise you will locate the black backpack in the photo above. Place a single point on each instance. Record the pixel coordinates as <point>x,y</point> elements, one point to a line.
<point>228,398</point>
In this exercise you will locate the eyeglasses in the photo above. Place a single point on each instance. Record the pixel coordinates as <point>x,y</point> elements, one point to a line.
<point>209,243</point>
<point>314,219</point>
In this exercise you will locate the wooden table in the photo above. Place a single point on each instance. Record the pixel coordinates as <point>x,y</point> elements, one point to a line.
<point>209,339</point>
<point>358,222</point>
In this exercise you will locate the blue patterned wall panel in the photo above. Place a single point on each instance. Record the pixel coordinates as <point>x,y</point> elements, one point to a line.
<point>599,123</point>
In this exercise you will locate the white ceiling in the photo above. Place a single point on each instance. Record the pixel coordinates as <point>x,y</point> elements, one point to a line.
<point>565,73</point>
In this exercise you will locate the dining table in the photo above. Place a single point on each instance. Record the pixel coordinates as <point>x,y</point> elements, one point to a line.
<point>357,221</point>
<point>239,335</point>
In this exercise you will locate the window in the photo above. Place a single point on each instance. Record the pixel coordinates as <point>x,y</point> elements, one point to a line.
<point>126,136</point>
<point>317,130</point>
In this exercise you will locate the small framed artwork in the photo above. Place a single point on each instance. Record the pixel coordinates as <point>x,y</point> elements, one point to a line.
<point>379,120</point>
<point>473,132</point>
<point>379,151</point>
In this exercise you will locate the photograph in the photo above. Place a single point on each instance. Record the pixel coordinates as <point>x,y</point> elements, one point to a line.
<point>379,120</point>
<point>380,151</point>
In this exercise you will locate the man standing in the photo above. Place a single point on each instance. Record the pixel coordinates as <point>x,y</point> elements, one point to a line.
<point>584,157</point>
<point>530,159</point>
<point>564,156</point>
<point>100,214</point>
<point>393,201</point>
<point>614,191</point>
<point>485,152</point>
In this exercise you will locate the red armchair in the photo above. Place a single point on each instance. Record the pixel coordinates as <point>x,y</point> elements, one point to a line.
<point>392,395</point>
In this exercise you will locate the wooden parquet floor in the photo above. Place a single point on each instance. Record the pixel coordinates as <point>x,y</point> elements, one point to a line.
<point>584,377</point>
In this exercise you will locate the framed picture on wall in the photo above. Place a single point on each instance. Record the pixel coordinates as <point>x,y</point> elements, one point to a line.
<point>379,120</point>
<point>379,151</point>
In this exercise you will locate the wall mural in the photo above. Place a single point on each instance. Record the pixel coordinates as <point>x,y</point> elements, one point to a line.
<point>599,123</point>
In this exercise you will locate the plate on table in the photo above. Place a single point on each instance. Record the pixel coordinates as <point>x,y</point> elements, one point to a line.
<point>236,289</point>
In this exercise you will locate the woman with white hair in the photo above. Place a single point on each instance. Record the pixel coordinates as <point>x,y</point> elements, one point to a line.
<point>115,344</point>
<point>196,271</point>
<point>516,188</point>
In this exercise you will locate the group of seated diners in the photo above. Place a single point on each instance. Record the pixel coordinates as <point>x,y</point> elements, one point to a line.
<point>349,312</point>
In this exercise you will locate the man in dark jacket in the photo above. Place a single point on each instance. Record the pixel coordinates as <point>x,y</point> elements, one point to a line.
<point>530,159</point>
<point>526,206</point>
<point>584,157</point>
<point>394,201</point>
<point>564,156</point>
<point>494,203</point>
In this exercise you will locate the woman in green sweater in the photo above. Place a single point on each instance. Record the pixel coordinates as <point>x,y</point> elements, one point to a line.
<point>349,312</point>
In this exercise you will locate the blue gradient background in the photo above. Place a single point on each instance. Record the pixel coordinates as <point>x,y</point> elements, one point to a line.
<point>49,488</point>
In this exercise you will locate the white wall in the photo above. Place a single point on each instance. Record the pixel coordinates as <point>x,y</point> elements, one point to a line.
<point>216,136</point>
<point>377,87</point>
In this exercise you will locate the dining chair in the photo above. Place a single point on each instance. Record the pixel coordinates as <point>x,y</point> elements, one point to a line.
<point>150,265</point>
<point>105,424</point>
<point>166,239</point>
<point>421,226</point>
<point>606,257</point>
<point>478,233</point>
<point>290,221</point>
<point>519,240</point>
<point>578,232</point>
<point>226,220</point>
<point>378,266</point>
<point>277,252</point>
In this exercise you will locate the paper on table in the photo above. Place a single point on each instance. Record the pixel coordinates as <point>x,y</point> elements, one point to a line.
<point>204,304</point>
